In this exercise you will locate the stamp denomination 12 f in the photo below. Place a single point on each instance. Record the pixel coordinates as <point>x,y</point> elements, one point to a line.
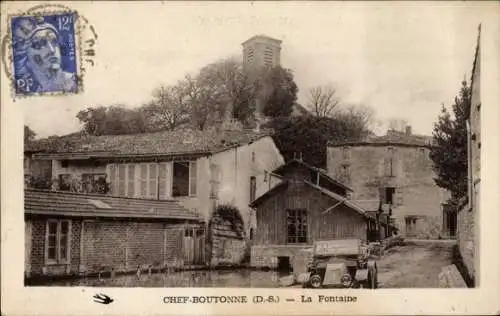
<point>44,54</point>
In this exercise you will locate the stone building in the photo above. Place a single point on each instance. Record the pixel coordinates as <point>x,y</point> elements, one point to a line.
<point>467,216</point>
<point>201,170</point>
<point>396,170</point>
<point>261,51</point>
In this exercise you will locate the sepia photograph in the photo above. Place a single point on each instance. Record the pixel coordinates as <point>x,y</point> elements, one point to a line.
<point>327,146</point>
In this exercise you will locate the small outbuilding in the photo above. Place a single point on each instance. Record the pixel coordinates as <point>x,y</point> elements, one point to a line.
<point>297,212</point>
<point>71,234</point>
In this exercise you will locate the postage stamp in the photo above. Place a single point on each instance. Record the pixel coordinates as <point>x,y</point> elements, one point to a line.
<point>44,54</point>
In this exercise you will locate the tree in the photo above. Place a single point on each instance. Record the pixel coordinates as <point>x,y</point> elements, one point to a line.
<point>278,91</point>
<point>112,120</point>
<point>323,100</point>
<point>450,151</point>
<point>167,110</point>
<point>234,89</point>
<point>29,134</point>
<point>310,135</point>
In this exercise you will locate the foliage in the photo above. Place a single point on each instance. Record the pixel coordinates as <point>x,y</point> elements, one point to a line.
<point>112,120</point>
<point>29,134</point>
<point>450,153</point>
<point>323,100</point>
<point>309,135</point>
<point>167,110</point>
<point>278,90</point>
<point>99,186</point>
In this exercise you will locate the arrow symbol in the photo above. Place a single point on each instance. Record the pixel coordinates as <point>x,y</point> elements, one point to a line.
<point>102,298</point>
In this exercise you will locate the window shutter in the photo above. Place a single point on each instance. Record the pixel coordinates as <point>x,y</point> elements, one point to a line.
<point>153,181</point>
<point>193,170</point>
<point>144,180</point>
<point>121,180</point>
<point>111,173</point>
<point>163,176</point>
<point>398,199</point>
<point>131,181</point>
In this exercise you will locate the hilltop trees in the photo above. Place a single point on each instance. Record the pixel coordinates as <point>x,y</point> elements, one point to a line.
<point>450,153</point>
<point>220,90</point>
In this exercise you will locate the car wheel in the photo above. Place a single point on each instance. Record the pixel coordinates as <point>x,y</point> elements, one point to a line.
<point>315,281</point>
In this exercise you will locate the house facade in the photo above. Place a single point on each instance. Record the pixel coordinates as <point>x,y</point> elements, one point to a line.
<point>299,210</point>
<point>199,169</point>
<point>467,216</point>
<point>70,233</point>
<point>397,170</point>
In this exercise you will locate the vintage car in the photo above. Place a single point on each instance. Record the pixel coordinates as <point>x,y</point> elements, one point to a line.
<point>341,263</point>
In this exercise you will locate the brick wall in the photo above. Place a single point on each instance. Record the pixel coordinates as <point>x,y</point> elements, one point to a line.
<point>37,255</point>
<point>124,246</point>
<point>119,245</point>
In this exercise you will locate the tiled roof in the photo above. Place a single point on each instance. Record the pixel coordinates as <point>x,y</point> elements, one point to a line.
<point>92,205</point>
<point>182,141</point>
<point>391,138</point>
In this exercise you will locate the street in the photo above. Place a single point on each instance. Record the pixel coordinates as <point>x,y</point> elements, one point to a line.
<point>413,265</point>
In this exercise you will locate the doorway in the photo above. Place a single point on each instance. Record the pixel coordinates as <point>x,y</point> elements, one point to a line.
<point>284,264</point>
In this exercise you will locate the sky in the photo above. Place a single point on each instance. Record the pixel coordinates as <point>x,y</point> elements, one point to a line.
<point>402,59</point>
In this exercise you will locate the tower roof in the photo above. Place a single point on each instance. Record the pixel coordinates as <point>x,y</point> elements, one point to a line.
<point>262,37</point>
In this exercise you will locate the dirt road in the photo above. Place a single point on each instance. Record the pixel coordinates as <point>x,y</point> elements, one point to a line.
<point>413,266</point>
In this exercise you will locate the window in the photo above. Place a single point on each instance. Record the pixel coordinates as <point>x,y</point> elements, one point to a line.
<point>297,226</point>
<point>215,181</point>
<point>251,234</point>
<point>253,188</point>
<point>57,242</point>
<point>389,195</point>
<point>253,156</point>
<point>411,226</point>
<point>345,153</point>
<point>94,183</point>
<point>64,182</point>
<point>345,174</point>
<point>184,178</point>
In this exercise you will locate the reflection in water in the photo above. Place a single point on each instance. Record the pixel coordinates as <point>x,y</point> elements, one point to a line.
<point>229,278</point>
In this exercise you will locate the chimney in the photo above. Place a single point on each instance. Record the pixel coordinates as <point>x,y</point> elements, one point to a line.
<point>408,130</point>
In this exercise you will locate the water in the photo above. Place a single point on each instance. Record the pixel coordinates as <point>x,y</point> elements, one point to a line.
<point>215,278</point>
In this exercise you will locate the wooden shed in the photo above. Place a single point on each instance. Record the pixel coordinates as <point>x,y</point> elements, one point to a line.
<point>296,213</point>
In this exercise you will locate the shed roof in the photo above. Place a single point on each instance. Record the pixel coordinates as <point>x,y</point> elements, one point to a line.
<point>43,202</point>
<point>181,141</point>
<point>333,195</point>
<point>280,170</point>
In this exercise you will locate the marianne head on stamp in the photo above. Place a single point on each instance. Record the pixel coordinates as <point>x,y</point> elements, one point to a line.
<point>44,54</point>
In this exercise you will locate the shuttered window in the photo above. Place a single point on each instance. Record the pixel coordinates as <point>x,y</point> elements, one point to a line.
<point>193,171</point>
<point>153,181</point>
<point>121,180</point>
<point>131,181</point>
<point>144,180</point>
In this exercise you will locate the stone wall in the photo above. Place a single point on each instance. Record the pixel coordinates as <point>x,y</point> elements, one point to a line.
<point>369,168</point>
<point>466,240</point>
<point>266,256</point>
